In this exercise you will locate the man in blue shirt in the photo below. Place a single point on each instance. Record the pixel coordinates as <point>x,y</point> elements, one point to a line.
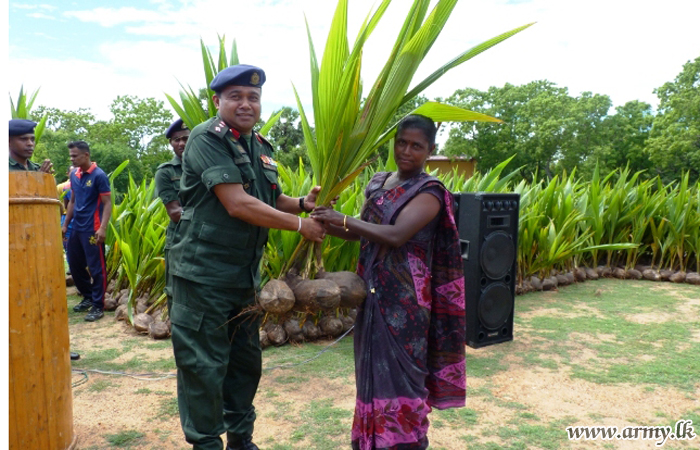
<point>88,211</point>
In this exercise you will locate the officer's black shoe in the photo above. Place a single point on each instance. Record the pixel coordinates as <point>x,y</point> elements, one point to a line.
<point>94,314</point>
<point>74,356</point>
<point>83,306</point>
<point>238,442</point>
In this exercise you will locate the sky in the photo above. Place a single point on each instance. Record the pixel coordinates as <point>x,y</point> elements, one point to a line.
<point>84,53</point>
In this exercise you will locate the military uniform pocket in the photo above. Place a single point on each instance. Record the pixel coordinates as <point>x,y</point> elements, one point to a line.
<point>186,317</point>
<point>219,235</point>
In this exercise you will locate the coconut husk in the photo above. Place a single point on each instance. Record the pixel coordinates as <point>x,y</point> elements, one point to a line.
<point>619,272</point>
<point>678,277</point>
<point>591,274</point>
<point>141,306</point>
<point>315,295</point>
<point>110,303</point>
<point>352,313</point>
<point>353,289</point>
<point>605,271</point>
<point>120,313</point>
<point>141,322</point>
<point>292,279</point>
<point>331,326</point>
<point>536,283</point>
<point>293,329</point>
<point>579,274</point>
<point>276,297</point>
<point>642,267</point>
<point>112,284</point>
<point>665,274</point>
<point>348,322</point>
<point>561,280</point>
<point>69,281</point>
<point>276,334</point>
<point>264,341</point>
<point>123,297</point>
<point>693,278</point>
<point>310,330</point>
<point>158,330</point>
<point>519,290</point>
<point>651,275</point>
<point>548,284</point>
<point>634,274</point>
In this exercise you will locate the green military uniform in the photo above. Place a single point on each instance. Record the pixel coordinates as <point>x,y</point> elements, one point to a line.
<point>31,166</point>
<point>215,260</point>
<point>168,187</point>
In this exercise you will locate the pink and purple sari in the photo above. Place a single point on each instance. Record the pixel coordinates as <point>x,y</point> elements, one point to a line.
<point>409,332</point>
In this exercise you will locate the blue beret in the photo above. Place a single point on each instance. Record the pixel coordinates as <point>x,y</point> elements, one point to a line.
<point>19,127</point>
<point>174,127</point>
<point>239,75</point>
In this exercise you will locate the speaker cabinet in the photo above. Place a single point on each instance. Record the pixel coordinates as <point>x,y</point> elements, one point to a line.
<point>488,234</point>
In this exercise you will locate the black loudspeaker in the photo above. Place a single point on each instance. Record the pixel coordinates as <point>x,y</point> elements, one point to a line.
<point>488,234</point>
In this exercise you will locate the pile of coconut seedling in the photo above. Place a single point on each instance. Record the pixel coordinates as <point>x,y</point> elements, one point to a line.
<point>298,309</point>
<point>640,272</point>
<point>149,318</point>
<point>295,309</point>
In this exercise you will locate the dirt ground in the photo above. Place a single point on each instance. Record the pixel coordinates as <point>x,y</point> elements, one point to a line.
<point>549,394</point>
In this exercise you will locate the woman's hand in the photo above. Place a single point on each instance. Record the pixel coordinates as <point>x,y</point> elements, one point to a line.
<point>328,215</point>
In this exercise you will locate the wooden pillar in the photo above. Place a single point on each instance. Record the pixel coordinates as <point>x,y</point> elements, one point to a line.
<point>40,392</point>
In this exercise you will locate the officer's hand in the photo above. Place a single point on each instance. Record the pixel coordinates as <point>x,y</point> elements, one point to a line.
<point>100,236</point>
<point>310,199</point>
<point>312,230</point>
<point>46,167</point>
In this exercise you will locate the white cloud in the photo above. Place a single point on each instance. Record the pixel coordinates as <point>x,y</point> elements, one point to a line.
<point>41,16</point>
<point>25,6</point>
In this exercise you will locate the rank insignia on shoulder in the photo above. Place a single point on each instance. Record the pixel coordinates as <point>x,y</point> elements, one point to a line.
<point>269,161</point>
<point>218,128</point>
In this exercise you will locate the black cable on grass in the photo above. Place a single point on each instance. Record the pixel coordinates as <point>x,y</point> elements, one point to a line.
<point>82,380</point>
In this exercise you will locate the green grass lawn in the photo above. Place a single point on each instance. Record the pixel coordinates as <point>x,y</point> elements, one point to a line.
<point>629,351</point>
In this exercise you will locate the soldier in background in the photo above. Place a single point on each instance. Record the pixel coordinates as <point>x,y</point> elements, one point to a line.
<point>168,187</point>
<point>22,140</point>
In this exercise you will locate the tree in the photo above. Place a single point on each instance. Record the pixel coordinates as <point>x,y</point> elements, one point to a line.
<point>548,130</point>
<point>674,141</point>
<point>287,138</point>
<point>624,137</point>
<point>136,132</point>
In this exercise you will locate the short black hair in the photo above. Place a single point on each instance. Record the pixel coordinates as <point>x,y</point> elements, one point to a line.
<point>80,145</point>
<point>420,122</point>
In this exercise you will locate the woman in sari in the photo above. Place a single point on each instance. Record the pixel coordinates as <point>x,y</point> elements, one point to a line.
<point>409,332</point>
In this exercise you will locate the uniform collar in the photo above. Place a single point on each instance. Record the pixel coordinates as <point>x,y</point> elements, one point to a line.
<point>79,171</point>
<point>30,164</point>
<point>176,161</point>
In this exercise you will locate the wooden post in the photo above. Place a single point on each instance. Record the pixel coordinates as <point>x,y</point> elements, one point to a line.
<point>40,394</point>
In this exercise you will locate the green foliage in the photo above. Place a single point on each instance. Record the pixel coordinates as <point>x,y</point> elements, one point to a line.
<point>674,143</point>
<point>136,133</point>
<point>22,110</point>
<point>548,130</point>
<point>136,240</point>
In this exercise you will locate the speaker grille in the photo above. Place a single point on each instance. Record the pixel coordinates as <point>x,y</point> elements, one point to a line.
<point>497,255</point>
<point>495,306</point>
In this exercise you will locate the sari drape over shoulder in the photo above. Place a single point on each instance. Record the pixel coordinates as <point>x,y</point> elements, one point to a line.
<point>410,331</point>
